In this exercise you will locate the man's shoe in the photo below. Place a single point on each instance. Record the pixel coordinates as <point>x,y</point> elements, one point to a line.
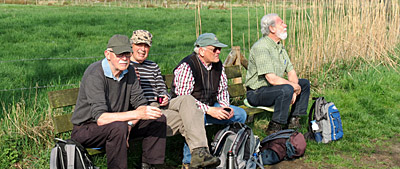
<point>185,166</point>
<point>294,122</point>
<point>273,127</point>
<point>147,166</point>
<point>201,157</point>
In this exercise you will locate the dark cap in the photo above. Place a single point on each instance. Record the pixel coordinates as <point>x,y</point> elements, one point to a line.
<point>208,39</point>
<point>119,44</point>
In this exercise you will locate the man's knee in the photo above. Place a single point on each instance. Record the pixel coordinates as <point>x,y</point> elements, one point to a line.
<point>240,114</point>
<point>304,83</point>
<point>287,91</point>
<point>117,129</point>
<point>161,122</point>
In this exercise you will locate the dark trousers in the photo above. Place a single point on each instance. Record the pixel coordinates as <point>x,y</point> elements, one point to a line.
<point>280,96</point>
<point>113,137</point>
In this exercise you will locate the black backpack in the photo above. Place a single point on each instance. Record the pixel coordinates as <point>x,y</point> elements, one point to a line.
<point>69,154</point>
<point>240,140</point>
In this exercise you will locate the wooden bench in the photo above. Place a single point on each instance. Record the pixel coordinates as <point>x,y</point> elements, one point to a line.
<point>59,101</point>
<point>238,90</point>
<point>62,102</point>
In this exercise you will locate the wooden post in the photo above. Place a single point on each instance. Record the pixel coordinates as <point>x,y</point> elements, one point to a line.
<point>236,50</point>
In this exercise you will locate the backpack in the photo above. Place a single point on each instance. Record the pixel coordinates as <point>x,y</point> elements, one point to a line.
<point>283,145</point>
<point>325,124</point>
<point>238,139</point>
<point>69,154</point>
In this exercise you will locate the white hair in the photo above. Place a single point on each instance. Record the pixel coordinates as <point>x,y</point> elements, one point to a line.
<point>267,21</point>
<point>196,49</point>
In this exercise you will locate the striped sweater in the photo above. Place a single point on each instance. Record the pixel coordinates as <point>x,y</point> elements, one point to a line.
<point>151,80</point>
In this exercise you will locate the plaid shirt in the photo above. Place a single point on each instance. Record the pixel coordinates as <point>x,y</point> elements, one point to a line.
<point>266,56</point>
<point>184,85</point>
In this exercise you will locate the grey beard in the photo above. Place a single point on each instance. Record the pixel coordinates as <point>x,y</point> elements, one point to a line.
<point>282,36</point>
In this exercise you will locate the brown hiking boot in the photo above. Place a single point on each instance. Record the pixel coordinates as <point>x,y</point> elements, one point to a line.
<point>294,122</point>
<point>273,128</point>
<point>202,158</point>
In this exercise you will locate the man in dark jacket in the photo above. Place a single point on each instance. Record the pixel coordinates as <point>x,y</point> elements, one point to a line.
<point>111,108</point>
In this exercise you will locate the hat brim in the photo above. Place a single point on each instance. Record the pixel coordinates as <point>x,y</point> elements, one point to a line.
<point>219,45</point>
<point>122,49</point>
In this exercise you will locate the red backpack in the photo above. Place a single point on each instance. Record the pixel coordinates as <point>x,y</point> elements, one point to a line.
<point>282,145</point>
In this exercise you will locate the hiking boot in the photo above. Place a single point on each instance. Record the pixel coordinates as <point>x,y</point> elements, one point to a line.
<point>273,127</point>
<point>201,157</point>
<point>185,166</point>
<point>294,122</point>
<point>147,166</point>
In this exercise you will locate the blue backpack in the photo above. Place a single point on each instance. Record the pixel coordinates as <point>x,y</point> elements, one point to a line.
<point>325,124</point>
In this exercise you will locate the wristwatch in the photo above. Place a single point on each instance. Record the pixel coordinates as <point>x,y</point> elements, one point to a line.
<point>130,123</point>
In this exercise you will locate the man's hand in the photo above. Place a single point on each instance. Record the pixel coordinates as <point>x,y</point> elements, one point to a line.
<point>147,112</point>
<point>293,98</point>
<point>165,100</point>
<point>219,113</point>
<point>296,87</point>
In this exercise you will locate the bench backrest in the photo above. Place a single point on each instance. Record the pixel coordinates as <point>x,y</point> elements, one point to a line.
<point>57,100</point>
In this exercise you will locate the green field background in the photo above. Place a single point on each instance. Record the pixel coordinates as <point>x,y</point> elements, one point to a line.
<point>46,48</point>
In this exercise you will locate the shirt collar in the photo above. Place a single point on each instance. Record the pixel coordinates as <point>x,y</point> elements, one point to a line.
<point>272,43</point>
<point>108,73</point>
<point>205,65</point>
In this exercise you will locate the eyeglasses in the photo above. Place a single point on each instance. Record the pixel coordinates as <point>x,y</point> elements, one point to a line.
<point>215,49</point>
<point>126,54</point>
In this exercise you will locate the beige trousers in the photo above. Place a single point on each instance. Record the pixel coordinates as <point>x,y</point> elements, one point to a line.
<point>184,116</point>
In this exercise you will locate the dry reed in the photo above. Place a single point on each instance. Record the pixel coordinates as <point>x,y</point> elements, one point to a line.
<point>336,32</point>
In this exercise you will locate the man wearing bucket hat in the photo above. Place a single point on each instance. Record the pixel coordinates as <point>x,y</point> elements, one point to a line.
<point>111,108</point>
<point>181,112</point>
<point>202,75</point>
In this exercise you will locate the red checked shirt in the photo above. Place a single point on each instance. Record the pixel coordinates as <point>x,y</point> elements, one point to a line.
<point>184,85</point>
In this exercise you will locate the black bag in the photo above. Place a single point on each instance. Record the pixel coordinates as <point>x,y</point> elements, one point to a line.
<point>239,139</point>
<point>69,154</point>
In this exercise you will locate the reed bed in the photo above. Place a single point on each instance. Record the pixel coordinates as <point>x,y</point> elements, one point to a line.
<point>325,34</point>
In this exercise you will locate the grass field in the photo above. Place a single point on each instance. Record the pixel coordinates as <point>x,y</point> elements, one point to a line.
<point>45,48</point>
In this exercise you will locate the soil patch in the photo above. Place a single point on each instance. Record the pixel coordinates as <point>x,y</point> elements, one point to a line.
<point>386,155</point>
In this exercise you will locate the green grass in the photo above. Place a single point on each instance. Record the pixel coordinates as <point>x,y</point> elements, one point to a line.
<point>366,97</point>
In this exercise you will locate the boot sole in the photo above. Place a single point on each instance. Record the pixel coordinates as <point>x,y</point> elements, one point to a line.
<point>207,164</point>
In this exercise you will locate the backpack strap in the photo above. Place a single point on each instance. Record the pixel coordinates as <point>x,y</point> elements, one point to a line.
<point>70,149</point>
<point>216,148</point>
<point>239,136</point>
<point>280,134</point>
<point>53,157</point>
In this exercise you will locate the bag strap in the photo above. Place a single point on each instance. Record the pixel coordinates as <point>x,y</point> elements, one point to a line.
<point>70,149</point>
<point>53,157</point>
<point>311,114</point>
<point>280,134</point>
<point>240,134</point>
<point>216,148</point>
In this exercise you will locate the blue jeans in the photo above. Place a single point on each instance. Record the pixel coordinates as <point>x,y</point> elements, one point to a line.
<point>239,116</point>
<point>280,96</point>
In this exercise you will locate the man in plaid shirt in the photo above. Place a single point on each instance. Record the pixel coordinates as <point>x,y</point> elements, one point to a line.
<point>202,75</point>
<point>265,82</point>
